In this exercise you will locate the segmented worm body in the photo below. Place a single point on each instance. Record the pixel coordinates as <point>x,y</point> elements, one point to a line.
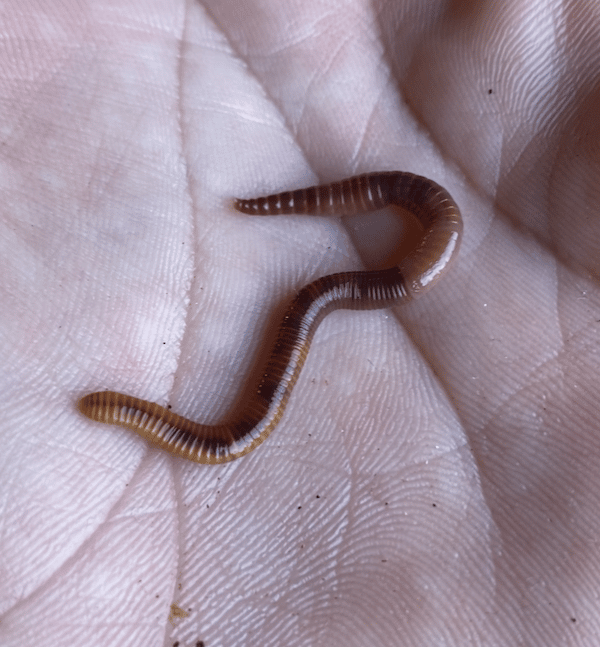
<point>361,290</point>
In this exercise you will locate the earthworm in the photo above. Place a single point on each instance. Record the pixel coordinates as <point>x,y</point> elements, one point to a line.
<point>361,290</point>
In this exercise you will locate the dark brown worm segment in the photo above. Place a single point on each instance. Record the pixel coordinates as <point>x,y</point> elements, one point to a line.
<point>367,290</point>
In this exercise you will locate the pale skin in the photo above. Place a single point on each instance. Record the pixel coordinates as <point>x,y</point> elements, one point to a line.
<point>435,478</point>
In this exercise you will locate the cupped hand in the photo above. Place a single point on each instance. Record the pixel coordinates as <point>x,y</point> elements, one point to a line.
<point>434,480</point>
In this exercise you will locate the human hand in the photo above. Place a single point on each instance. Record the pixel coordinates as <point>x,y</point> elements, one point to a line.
<point>433,480</point>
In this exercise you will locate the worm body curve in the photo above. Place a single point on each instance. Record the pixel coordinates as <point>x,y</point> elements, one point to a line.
<point>362,290</point>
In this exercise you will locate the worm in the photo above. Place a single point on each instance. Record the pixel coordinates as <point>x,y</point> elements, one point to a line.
<point>417,273</point>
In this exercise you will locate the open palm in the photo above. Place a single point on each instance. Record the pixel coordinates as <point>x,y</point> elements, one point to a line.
<point>435,478</point>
